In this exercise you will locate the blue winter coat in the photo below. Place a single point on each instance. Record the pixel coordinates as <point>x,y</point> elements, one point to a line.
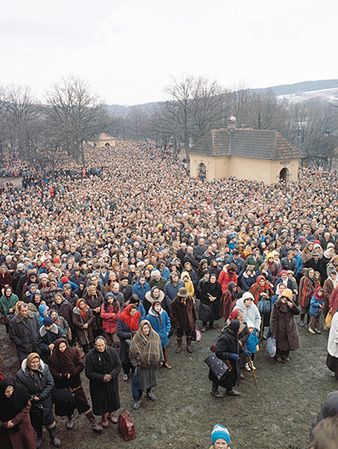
<point>142,311</point>
<point>252,341</point>
<point>315,304</point>
<point>140,291</point>
<point>161,324</point>
<point>171,291</point>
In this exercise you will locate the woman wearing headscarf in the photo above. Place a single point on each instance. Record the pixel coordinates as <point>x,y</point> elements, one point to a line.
<point>211,294</point>
<point>146,356</point>
<point>184,317</point>
<point>102,368</point>
<point>160,321</point>
<point>230,296</point>
<point>37,379</point>
<point>227,349</point>
<point>16,431</point>
<point>262,287</point>
<point>110,313</point>
<point>83,320</point>
<point>66,365</point>
<point>127,326</point>
<point>332,347</point>
<point>283,326</point>
<point>155,294</point>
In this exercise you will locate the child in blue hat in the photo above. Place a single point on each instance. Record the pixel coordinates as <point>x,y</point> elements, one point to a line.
<point>220,437</point>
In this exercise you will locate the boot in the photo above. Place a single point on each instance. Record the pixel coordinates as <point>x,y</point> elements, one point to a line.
<point>179,345</point>
<point>54,439</point>
<point>94,425</point>
<point>189,345</point>
<point>215,392</point>
<point>165,362</point>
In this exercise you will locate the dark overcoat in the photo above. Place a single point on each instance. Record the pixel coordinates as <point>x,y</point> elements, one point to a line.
<point>283,326</point>
<point>227,343</point>
<point>105,395</point>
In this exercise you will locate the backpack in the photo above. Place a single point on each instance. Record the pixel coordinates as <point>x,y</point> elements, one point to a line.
<point>126,426</point>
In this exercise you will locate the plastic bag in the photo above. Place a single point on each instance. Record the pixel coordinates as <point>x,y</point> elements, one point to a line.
<point>271,347</point>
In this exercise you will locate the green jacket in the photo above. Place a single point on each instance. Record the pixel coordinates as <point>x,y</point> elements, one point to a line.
<point>6,304</point>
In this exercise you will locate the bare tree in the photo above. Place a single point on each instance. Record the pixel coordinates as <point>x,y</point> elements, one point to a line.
<point>75,114</point>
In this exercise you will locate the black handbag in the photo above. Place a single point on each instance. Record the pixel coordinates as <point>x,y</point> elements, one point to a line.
<point>217,366</point>
<point>36,414</point>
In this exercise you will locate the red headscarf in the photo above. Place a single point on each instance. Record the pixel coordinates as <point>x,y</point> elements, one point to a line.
<point>83,312</point>
<point>131,321</point>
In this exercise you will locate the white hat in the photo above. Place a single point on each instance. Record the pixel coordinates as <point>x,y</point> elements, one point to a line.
<point>247,295</point>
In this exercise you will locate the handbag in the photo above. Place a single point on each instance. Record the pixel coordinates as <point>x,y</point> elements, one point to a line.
<point>264,306</point>
<point>271,347</point>
<point>216,365</point>
<point>126,426</point>
<point>204,311</point>
<point>36,414</point>
<point>328,320</point>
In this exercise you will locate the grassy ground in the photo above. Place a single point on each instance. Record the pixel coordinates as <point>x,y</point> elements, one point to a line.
<point>275,415</point>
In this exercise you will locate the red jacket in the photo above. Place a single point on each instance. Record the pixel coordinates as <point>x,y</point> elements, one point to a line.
<point>109,319</point>
<point>224,278</point>
<point>333,301</point>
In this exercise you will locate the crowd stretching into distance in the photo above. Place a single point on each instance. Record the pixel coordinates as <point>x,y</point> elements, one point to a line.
<point>101,268</point>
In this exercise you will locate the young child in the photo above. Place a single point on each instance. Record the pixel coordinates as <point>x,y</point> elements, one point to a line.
<point>220,437</point>
<point>315,311</point>
<point>252,343</point>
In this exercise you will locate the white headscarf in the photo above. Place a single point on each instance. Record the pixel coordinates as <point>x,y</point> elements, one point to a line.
<point>332,345</point>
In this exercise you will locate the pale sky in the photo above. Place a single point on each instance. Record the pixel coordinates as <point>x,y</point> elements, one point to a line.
<point>129,50</point>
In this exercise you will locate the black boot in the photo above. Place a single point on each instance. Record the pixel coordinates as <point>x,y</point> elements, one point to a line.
<point>179,345</point>
<point>53,437</point>
<point>215,392</point>
<point>189,345</point>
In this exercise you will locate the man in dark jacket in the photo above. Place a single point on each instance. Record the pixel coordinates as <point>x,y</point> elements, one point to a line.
<point>24,332</point>
<point>289,262</point>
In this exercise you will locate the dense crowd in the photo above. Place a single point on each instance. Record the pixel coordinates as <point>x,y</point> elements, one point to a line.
<point>101,268</point>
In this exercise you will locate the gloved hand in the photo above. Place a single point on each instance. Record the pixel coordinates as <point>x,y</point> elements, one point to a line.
<point>232,356</point>
<point>247,353</point>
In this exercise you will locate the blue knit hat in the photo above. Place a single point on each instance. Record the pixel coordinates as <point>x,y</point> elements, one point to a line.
<point>220,433</point>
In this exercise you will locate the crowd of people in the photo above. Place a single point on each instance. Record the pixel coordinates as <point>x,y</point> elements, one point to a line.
<point>101,270</point>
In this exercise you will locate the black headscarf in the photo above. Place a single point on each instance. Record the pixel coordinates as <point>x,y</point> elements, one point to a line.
<point>234,327</point>
<point>10,407</point>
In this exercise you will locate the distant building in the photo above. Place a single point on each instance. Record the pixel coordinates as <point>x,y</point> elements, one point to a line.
<point>252,154</point>
<point>105,140</point>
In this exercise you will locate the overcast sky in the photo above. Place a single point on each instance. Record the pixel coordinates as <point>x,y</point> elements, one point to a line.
<point>128,50</point>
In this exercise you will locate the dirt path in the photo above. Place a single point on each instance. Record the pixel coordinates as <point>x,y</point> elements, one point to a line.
<point>276,415</point>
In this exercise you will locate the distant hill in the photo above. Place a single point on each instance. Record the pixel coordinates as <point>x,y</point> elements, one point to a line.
<point>326,89</point>
<point>303,86</point>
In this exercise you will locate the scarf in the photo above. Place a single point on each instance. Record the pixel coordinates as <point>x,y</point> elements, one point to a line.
<point>257,289</point>
<point>10,407</point>
<point>83,312</point>
<point>131,321</point>
<point>63,361</point>
<point>146,350</point>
